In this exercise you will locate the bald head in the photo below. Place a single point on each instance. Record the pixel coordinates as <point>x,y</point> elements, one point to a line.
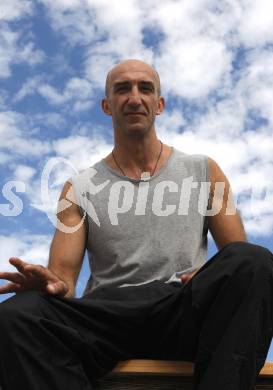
<point>133,65</point>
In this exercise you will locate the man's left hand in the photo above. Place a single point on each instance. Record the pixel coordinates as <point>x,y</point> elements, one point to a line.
<point>186,277</point>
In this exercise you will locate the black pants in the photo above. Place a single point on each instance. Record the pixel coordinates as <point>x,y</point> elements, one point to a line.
<point>222,319</point>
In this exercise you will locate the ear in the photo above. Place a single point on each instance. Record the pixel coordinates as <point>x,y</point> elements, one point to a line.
<point>160,105</point>
<point>106,107</point>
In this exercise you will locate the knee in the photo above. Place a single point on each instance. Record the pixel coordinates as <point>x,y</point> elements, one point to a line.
<point>248,248</point>
<point>255,256</point>
<point>16,309</point>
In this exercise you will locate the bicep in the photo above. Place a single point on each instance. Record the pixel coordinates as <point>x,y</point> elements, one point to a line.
<point>226,225</point>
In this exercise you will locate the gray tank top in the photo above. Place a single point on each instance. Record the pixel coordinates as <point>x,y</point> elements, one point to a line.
<point>143,230</point>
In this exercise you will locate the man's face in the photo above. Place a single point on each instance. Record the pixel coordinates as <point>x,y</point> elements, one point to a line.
<point>133,100</point>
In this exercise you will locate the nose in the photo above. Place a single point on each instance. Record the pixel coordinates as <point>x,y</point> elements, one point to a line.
<point>134,97</point>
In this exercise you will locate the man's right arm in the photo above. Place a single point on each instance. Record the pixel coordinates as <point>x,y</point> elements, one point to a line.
<point>65,259</point>
<point>68,248</point>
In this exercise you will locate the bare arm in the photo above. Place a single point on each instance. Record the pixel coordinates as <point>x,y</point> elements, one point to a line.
<point>66,255</point>
<point>67,249</point>
<point>224,228</point>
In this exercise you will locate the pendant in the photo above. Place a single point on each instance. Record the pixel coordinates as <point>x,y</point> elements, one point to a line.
<point>145,176</point>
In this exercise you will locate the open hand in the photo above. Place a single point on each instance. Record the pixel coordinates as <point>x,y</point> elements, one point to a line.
<point>32,277</point>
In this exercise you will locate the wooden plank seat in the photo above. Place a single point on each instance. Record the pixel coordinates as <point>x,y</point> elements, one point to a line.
<point>158,374</point>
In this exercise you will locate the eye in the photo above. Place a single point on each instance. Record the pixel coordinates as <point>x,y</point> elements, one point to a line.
<point>147,88</point>
<point>121,88</point>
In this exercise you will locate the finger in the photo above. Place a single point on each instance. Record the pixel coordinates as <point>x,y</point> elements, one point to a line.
<point>43,273</point>
<point>16,260</point>
<point>37,271</point>
<point>18,263</point>
<point>53,289</point>
<point>10,288</point>
<point>15,277</point>
<point>189,275</point>
<point>185,278</point>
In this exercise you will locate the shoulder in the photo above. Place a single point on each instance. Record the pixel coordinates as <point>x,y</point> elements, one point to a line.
<point>191,159</point>
<point>215,171</point>
<point>188,156</point>
<point>85,175</point>
<point>204,162</point>
<point>195,165</point>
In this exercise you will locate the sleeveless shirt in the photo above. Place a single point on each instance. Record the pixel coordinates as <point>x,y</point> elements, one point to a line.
<point>144,230</point>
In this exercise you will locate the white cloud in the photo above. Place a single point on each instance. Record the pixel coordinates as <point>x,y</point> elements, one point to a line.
<point>50,120</point>
<point>256,83</point>
<point>102,25</point>
<point>8,123</point>
<point>50,93</point>
<point>223,119</point>
<point>256,24</point>
<point>28,88</point>
<point>8,41</point>
<point>15,9</point>
<point>197,70</point>
<point>4,158</point>
<point>196,37</point>
<point>81,151</point>
<point>83,105</point>
<point>28,247</point>
<point>185,30</point>
<point>13,52</point>
<point>170,121</point>
<point>262,226</point>
<point>13,47</point>
<point>77,91</point>
<point>16,135</point>
<point>63,5</point>
<point>72,18</point>
<point>29,54</point>
<point>24,173</point>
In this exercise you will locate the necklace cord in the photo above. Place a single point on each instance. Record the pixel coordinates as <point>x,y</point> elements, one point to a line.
<point>158,157</point>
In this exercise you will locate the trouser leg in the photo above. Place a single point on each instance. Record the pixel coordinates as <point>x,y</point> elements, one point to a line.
<point>32,355</point>
<point>236,312</point>
<point>222,319</point>
<point>55,343</point>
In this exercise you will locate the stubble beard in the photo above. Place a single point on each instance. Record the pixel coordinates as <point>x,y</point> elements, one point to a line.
<point>135,129</point>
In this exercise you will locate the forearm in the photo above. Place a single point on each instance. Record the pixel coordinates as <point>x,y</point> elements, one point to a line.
<point>67,277</point>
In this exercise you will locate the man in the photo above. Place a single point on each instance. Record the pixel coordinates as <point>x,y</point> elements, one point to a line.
<point>142,246</point>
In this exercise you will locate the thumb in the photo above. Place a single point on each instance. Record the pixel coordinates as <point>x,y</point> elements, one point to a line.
<point>51,289</point>
<point>58,288</point>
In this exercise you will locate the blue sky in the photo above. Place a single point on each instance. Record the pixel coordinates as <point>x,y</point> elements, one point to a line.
<point>215,62</point>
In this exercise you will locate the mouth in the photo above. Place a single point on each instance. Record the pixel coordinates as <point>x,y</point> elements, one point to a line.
<point>135,113</point>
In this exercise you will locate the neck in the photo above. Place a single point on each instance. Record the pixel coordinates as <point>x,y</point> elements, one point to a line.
<point>137,154</point>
